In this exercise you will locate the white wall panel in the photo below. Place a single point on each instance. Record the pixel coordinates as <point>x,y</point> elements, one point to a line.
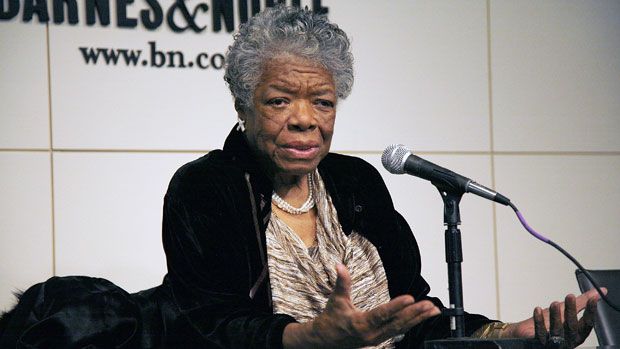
<point>420,203</point>
<point>24,106</point>
<point>556,75</point>
<point>108,215</point>
<point>25,222</point>
<point>440,79</point>
<point>572,201</point>
<point>138,107</point>
<point>421,75</point>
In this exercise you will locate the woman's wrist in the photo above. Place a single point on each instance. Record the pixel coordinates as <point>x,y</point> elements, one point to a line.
<point>510,331</point>
<point>494,330</point>
<point>291,335</point>
<point>299,336</point>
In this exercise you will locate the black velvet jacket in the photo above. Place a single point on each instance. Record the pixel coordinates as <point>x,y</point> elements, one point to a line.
<point>216,211</point>
<point>216,293</point>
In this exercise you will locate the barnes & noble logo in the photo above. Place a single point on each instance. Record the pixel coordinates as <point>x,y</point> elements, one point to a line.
<point>179,16</point>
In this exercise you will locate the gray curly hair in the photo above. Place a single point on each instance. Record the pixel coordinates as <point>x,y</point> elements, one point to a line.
<point>282,30</point>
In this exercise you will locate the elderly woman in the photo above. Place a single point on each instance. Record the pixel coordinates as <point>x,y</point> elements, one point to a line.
<point>273,241</point>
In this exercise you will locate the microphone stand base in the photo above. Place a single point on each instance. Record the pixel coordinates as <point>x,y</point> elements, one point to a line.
<point>474,343</point>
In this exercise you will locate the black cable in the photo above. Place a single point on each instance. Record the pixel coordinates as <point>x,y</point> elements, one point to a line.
<point>568,255</point>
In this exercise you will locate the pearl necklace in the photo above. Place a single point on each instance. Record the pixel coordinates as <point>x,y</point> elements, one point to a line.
<point>286,207</point>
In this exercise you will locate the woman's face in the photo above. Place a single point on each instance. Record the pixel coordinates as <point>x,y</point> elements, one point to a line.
<point>291,125</point>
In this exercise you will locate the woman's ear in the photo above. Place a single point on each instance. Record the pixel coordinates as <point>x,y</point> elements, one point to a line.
<point>239,106</point>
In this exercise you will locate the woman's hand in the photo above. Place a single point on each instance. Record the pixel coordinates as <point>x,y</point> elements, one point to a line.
<point>559,322</point>
<point>341,325</point>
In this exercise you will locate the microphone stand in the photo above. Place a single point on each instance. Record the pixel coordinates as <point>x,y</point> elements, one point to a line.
<point>451,196</point>
<point>454,258</point>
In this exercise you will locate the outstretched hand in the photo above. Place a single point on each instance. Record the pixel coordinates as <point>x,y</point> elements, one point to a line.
<point>559,323</point>
<point>342,325</point>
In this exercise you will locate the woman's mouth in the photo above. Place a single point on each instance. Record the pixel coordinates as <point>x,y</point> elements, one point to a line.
<point>299,150</point>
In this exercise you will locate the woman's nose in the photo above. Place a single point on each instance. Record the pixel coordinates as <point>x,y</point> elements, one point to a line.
<point>302,116</point>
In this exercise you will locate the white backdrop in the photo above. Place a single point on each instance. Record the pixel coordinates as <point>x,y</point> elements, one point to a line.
<point>520,95</point>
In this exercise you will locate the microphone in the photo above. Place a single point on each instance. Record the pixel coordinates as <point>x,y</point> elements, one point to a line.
<point>398,159</point>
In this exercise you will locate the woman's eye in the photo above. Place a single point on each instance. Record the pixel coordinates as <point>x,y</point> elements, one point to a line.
<point>325,103</point>
<point>277,102</point>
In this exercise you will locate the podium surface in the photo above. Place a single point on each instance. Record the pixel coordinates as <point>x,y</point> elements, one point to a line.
<point>513,343</point>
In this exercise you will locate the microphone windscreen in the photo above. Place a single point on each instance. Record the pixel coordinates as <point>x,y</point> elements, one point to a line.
<point>393,158</point>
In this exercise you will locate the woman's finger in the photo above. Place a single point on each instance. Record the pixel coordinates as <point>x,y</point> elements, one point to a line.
<point>405,319</point>
<point>555,320</point>
<point>582,299</point>
<point>411,317</point>
<point>587,320</point>
<point>570,320</point>
<point>540,330</point>
<point>385,313</point>
<point>343,282</point>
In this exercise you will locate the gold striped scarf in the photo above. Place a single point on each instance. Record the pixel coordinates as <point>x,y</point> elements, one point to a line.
<point>303,278</point>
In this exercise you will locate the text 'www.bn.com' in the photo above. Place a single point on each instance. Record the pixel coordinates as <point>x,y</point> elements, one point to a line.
<point>153,58</point>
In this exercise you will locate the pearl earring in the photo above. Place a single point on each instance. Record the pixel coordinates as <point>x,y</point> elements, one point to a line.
<point>241,125</point>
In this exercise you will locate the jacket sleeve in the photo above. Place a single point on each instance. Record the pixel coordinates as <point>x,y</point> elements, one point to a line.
<point>210,275</point>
